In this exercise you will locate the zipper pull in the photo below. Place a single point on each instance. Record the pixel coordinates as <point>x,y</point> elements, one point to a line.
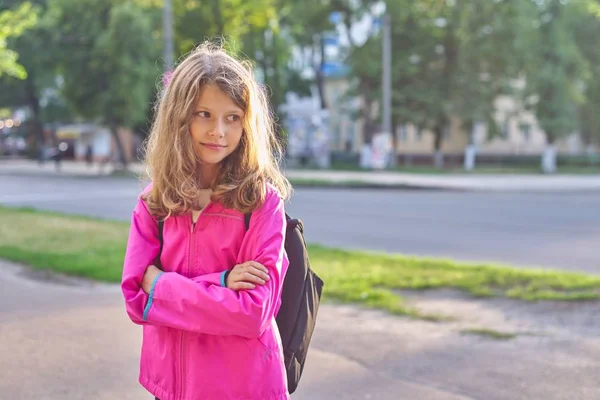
<point>193,227</point>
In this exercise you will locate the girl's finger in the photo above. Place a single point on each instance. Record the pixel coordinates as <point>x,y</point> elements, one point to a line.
<point>250,277</point>
<point>243,286</point>
<point>261,274</point>
<point>258,266</point>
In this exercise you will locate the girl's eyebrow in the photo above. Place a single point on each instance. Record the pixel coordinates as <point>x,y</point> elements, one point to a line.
<point>232,111</point>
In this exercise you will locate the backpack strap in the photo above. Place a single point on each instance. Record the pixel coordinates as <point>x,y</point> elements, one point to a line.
<point>247,220</point>
<point>161,224</point>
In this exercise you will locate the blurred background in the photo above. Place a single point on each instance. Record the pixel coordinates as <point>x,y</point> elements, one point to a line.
<point>420,85</point>
<point>482,284</point>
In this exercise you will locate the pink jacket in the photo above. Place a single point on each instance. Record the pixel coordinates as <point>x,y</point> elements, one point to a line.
<point>200,339</point>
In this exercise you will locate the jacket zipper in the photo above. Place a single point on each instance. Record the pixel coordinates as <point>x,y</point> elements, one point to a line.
<point>190,260</point>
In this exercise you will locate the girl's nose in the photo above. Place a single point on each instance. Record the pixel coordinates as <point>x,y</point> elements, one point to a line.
<point>219,129</point>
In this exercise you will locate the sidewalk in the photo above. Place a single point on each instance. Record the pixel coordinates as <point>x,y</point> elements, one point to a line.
<point>56,336</point>
<point>380,179</point>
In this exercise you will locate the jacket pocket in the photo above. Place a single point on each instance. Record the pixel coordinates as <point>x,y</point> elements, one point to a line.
<point>270,338</point>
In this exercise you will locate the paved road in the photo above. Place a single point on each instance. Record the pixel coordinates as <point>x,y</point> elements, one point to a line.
<point>549,230</point>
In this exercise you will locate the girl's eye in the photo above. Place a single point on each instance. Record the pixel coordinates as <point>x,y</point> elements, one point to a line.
<point>203,114</point>
<point>233,118</point>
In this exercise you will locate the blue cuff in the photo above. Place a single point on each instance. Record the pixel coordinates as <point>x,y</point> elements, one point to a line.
<point>223,278</point>
<point>150,296</point>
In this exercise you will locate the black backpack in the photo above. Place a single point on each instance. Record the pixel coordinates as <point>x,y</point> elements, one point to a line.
<point>300,298</point>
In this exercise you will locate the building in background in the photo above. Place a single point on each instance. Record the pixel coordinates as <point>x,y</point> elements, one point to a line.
<point>85,138</point>
<point>520,132</point>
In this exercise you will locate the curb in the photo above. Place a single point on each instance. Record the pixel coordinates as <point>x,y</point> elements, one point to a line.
<point>371,186</point>
<point>325,183</point>
<point>296,183</point>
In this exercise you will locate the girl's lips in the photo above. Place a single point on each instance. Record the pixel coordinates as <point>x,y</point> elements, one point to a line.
<point>213,146</point>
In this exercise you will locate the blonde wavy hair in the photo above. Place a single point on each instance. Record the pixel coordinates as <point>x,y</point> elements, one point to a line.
<point>172,164</point>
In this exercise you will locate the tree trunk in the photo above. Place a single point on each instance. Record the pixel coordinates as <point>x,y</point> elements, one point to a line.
<point>470,150</point>
<point>549,155</point>
<point>549,159</point>
<point>348,25</point>
<point>319,73</point>
<point>114,129</point>
<point>394,153</point>
<point>369,126</point>
<point>469,163</point>
<point>34,104</point>
<point>438,158</point>
<point>449,70</point>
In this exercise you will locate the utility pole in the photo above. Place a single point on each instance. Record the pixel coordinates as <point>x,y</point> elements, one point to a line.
<point>168,33</point>
<point>387,81</point>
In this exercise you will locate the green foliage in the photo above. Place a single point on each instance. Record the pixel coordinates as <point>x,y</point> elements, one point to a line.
<point>101,60</point>
<point>450,60</point>
<point>37,57</point>
<point>231,20</point>
<point>248,28</point>
<point>453,59</point>
<point>14,22</point>
<point>108,59</point>
<point>586,27</point>
<point>556,70</point>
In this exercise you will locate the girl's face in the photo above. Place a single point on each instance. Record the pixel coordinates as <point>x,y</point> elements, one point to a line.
<point>216,128</point>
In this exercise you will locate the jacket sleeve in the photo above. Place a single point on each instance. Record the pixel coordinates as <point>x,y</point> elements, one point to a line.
<point>205,307</point>
<point>142,249</point>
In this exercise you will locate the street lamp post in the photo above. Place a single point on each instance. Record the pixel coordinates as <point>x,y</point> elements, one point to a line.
<point>387,81</point>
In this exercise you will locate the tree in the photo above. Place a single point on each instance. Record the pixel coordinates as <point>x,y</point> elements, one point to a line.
<point>307,23</point>
<point>588,26</point>
<point>271,45</point>
<point>450,61</point>
<point>230,20</point>
<point>458,58</point>
<point>249,28</point>
<point>556,73</point>
<point>13,23</point>
<point>364,59</point>
<point>37,57</point>
<point>107,61</point>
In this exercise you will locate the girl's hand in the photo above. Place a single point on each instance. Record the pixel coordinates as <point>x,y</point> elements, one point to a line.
<point>247,275</point>
<point>149,276</point>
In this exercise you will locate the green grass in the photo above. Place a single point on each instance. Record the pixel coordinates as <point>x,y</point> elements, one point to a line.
<point>490,333</point>
<point>342,183</point>
<point>93,248</point>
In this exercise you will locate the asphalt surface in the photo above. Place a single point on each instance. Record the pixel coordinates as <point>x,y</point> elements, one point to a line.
<point>551,230</point>
<point>71,340</point>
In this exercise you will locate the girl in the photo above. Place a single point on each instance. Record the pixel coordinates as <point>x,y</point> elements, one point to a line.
<point>209,330</point>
